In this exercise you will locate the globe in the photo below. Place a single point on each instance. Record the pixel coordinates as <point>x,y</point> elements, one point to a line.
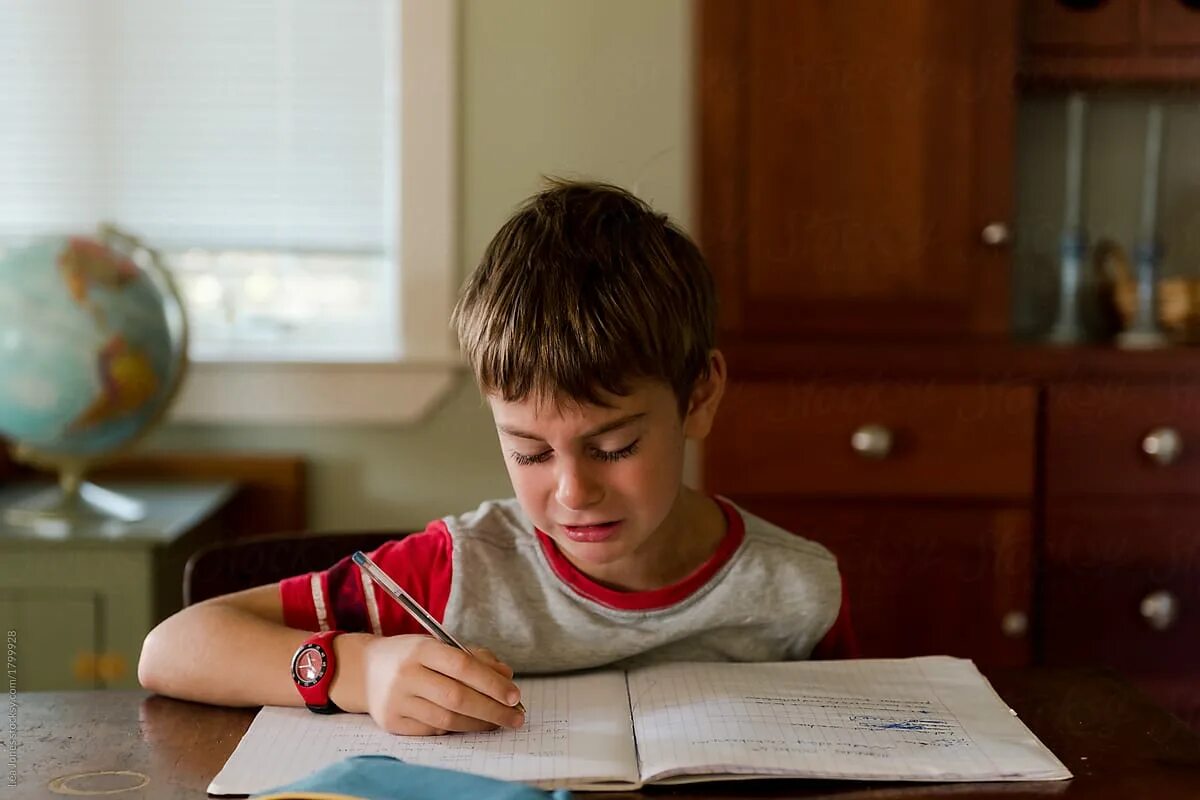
<point>93,345</point>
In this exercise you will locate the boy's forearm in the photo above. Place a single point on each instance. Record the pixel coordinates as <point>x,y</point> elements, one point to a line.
<point>217,653</point>
<point>221,654</point>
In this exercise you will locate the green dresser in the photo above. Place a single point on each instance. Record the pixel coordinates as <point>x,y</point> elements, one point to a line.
<point>82,601</point>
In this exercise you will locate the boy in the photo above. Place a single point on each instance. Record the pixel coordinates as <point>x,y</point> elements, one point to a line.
<point>589,327</point>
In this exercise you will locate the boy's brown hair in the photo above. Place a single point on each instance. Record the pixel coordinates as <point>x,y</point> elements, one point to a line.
<point>584,288</point>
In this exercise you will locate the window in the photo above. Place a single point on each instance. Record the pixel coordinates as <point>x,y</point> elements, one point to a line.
<point>267,147</point>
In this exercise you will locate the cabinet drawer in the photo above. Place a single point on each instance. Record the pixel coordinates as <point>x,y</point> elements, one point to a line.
<point>1104,439</point>
<point>1121,588</point>
<point>889,439</point>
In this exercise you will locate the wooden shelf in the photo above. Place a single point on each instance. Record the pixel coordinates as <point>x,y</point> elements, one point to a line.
<point>1088,71</point>
<point>1002,361</point>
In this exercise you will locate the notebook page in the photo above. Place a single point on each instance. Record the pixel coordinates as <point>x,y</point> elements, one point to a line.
<point>931,718</point>
<point>577,731</point>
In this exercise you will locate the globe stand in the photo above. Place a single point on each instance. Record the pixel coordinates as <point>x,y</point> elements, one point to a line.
<point>73,503</point>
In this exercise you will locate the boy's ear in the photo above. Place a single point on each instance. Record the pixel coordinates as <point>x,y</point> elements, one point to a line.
<point>706,397</point>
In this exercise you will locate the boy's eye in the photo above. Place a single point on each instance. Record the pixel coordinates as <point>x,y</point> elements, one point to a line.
<point>596,453</point>
<point>536,458</point>
<point>616,455</point>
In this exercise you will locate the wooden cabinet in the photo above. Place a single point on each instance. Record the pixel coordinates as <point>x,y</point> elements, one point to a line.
<point>1012,504</point>
<point>1111,41</point>
<point>857,165</point>
<point>1036,505</point>
<point>1041,520</point>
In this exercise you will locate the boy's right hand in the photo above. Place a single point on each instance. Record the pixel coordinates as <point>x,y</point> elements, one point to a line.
<point>417,686</point>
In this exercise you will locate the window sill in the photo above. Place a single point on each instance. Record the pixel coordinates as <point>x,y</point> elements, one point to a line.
<point>282,393</point>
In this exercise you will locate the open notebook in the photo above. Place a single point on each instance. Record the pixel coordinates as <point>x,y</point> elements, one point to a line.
<point>922,719</point>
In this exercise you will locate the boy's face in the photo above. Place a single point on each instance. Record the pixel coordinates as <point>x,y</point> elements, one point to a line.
<point>604,483</point>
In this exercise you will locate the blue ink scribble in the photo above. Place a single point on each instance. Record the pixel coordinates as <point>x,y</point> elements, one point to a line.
<point>882,724</point>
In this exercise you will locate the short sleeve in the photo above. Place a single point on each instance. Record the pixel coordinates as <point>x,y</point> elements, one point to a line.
<point>840,640</point>
<point>343,598</point>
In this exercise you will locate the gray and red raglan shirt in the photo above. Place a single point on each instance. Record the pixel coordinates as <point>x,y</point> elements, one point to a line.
<point>494,580</point>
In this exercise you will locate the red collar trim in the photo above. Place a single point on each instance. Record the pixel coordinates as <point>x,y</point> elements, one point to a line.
<point>735,532</point>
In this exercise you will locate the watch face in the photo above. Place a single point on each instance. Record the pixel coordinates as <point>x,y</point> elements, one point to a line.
<point>308,667</point>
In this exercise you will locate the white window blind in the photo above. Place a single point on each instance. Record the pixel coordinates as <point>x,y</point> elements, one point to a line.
<point>253,141</point>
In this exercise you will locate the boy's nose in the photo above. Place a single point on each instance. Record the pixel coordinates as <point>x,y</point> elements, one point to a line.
<point>576,488</point>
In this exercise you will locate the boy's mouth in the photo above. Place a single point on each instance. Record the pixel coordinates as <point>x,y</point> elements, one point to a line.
<point>591,533</point>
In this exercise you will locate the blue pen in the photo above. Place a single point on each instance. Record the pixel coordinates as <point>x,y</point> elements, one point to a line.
<point>410,605</point>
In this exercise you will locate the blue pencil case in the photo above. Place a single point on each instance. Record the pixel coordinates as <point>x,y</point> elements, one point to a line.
<point>387,778</point>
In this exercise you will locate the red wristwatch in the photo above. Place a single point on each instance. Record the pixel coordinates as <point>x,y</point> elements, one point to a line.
<point>313,668</point>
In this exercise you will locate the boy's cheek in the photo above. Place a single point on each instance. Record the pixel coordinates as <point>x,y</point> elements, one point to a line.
<point>528,495</point>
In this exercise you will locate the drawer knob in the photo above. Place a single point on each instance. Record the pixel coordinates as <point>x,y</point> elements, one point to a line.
<point>872,441</point>
<point>1160,609</point>
<point>1163,445</point>
<point>1015,624</point>
<point>995,234</point>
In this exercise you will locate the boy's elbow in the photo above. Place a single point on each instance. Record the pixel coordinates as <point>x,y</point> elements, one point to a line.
<point>149,668</point>
<point>155,661</point>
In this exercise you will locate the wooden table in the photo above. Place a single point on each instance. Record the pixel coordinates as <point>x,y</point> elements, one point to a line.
<point>1116,742</point>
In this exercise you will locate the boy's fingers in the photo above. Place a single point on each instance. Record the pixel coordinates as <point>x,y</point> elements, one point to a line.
<point>426,717</point>
<point>473,672</point>
<point>457,699</point>
<point>484,653</point>
<point>489,658</point>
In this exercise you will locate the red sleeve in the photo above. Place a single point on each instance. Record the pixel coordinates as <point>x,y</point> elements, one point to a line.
<point>839,641</point>
<point>337,599</point>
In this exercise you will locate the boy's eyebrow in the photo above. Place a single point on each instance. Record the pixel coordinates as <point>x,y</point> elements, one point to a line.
<point>605,428</point>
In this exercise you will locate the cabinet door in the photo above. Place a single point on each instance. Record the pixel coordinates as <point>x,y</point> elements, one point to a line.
<point>1121,588</point>
<point>852,155</point>
<point>925,580</point>
<point>57,638</point>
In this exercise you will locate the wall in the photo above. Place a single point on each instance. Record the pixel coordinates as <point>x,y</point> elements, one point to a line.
<point>564,87</point>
